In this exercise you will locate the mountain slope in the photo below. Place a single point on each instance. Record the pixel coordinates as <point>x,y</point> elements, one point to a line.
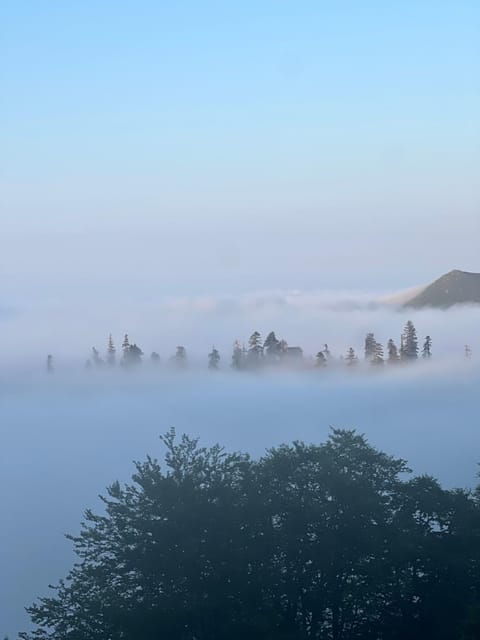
<point>455,287</point>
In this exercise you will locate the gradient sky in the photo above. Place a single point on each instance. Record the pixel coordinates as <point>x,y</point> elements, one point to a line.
<point>181,146</point>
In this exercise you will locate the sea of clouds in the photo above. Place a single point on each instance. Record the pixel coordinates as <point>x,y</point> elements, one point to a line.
<point>65,436</point>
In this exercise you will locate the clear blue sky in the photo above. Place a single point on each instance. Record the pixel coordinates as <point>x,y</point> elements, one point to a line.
<point>217,145</point>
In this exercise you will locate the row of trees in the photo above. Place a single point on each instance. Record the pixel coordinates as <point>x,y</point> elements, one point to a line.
<point>327,542</point>
<point>272,352</point>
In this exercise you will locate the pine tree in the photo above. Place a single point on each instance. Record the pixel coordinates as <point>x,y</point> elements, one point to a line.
<point>111,352</point>
<point>427,348</point>
<point>134,355</point>
<point>351,357</point>
<point>377,358</point>
<point>468,351</point>
<point>213,359</point>
<point>271,346</point>
<point>392,352</point>
<point>255,350</point>
<point>50,367</point>
<point>154,358</point>
<point>410,341</point>
<point>370,346</point>
<point>180,357</point>
<point>237,355</point>
<point>125,344</point>
<point>326,351</point>
<point>320,359</point>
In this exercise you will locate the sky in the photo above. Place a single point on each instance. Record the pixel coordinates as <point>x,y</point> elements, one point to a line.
<point>184,148</point>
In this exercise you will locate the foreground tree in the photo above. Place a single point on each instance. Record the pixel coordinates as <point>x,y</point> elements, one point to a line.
<point>326,542</point>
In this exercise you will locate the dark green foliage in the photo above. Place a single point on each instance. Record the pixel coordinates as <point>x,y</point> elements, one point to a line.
<point>328,542</point>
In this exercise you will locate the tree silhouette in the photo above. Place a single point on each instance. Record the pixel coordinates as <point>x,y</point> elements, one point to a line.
<point>111,351</point>
<point>327,542</point>
<point>427,348</point>
<point>213,359</point>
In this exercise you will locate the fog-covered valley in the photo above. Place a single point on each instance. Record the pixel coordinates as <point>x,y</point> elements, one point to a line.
<point>66,436</point>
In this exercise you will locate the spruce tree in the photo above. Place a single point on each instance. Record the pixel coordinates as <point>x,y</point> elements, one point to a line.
<point>255,350</point>
<point>326,351</point>
<point>427,348</point>
<point>180,357</point>
<point>410,341</point>
<point>468,351</point>
<point>351,357</point>
<point>110,352</point>
<point>392,352</point>
<point>237,355</point>
<point>213,359</point>
<point>271,346</point>
<point>50,367</point>
<point>377,358</point>
<point>370,344</point>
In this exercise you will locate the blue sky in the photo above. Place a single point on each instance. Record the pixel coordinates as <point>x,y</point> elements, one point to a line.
<point>231,145</point>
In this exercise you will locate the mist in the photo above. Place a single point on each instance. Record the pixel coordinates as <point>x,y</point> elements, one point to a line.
<point>68,435</point>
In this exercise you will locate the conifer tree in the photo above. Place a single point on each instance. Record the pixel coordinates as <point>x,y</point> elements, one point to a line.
<point>351,357</point>
<point>427,348</point>
<point>133,355</point>
<point>326,351</point>
<point>237,355</point>
<point>468,351</point>
<point>111,351</point>
<point>410,344</point>
<point>180,357</point>
<point>271,346</point>
<point>255,350</point>
<point>154,358</point>
<point>370,344</point>
<point>125,344</point>
<point>320,359</point>
<point>377,358</point>
<point>392,352</point>
<point>213,359</point>
<point>50,367</point>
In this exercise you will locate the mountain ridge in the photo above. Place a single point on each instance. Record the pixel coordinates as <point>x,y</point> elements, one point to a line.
<point>453,288</point>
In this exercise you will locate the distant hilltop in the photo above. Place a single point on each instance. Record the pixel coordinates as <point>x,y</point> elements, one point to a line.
<point>455,287</point>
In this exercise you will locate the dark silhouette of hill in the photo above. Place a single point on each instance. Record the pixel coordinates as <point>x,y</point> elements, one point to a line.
<point>455,287</point>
